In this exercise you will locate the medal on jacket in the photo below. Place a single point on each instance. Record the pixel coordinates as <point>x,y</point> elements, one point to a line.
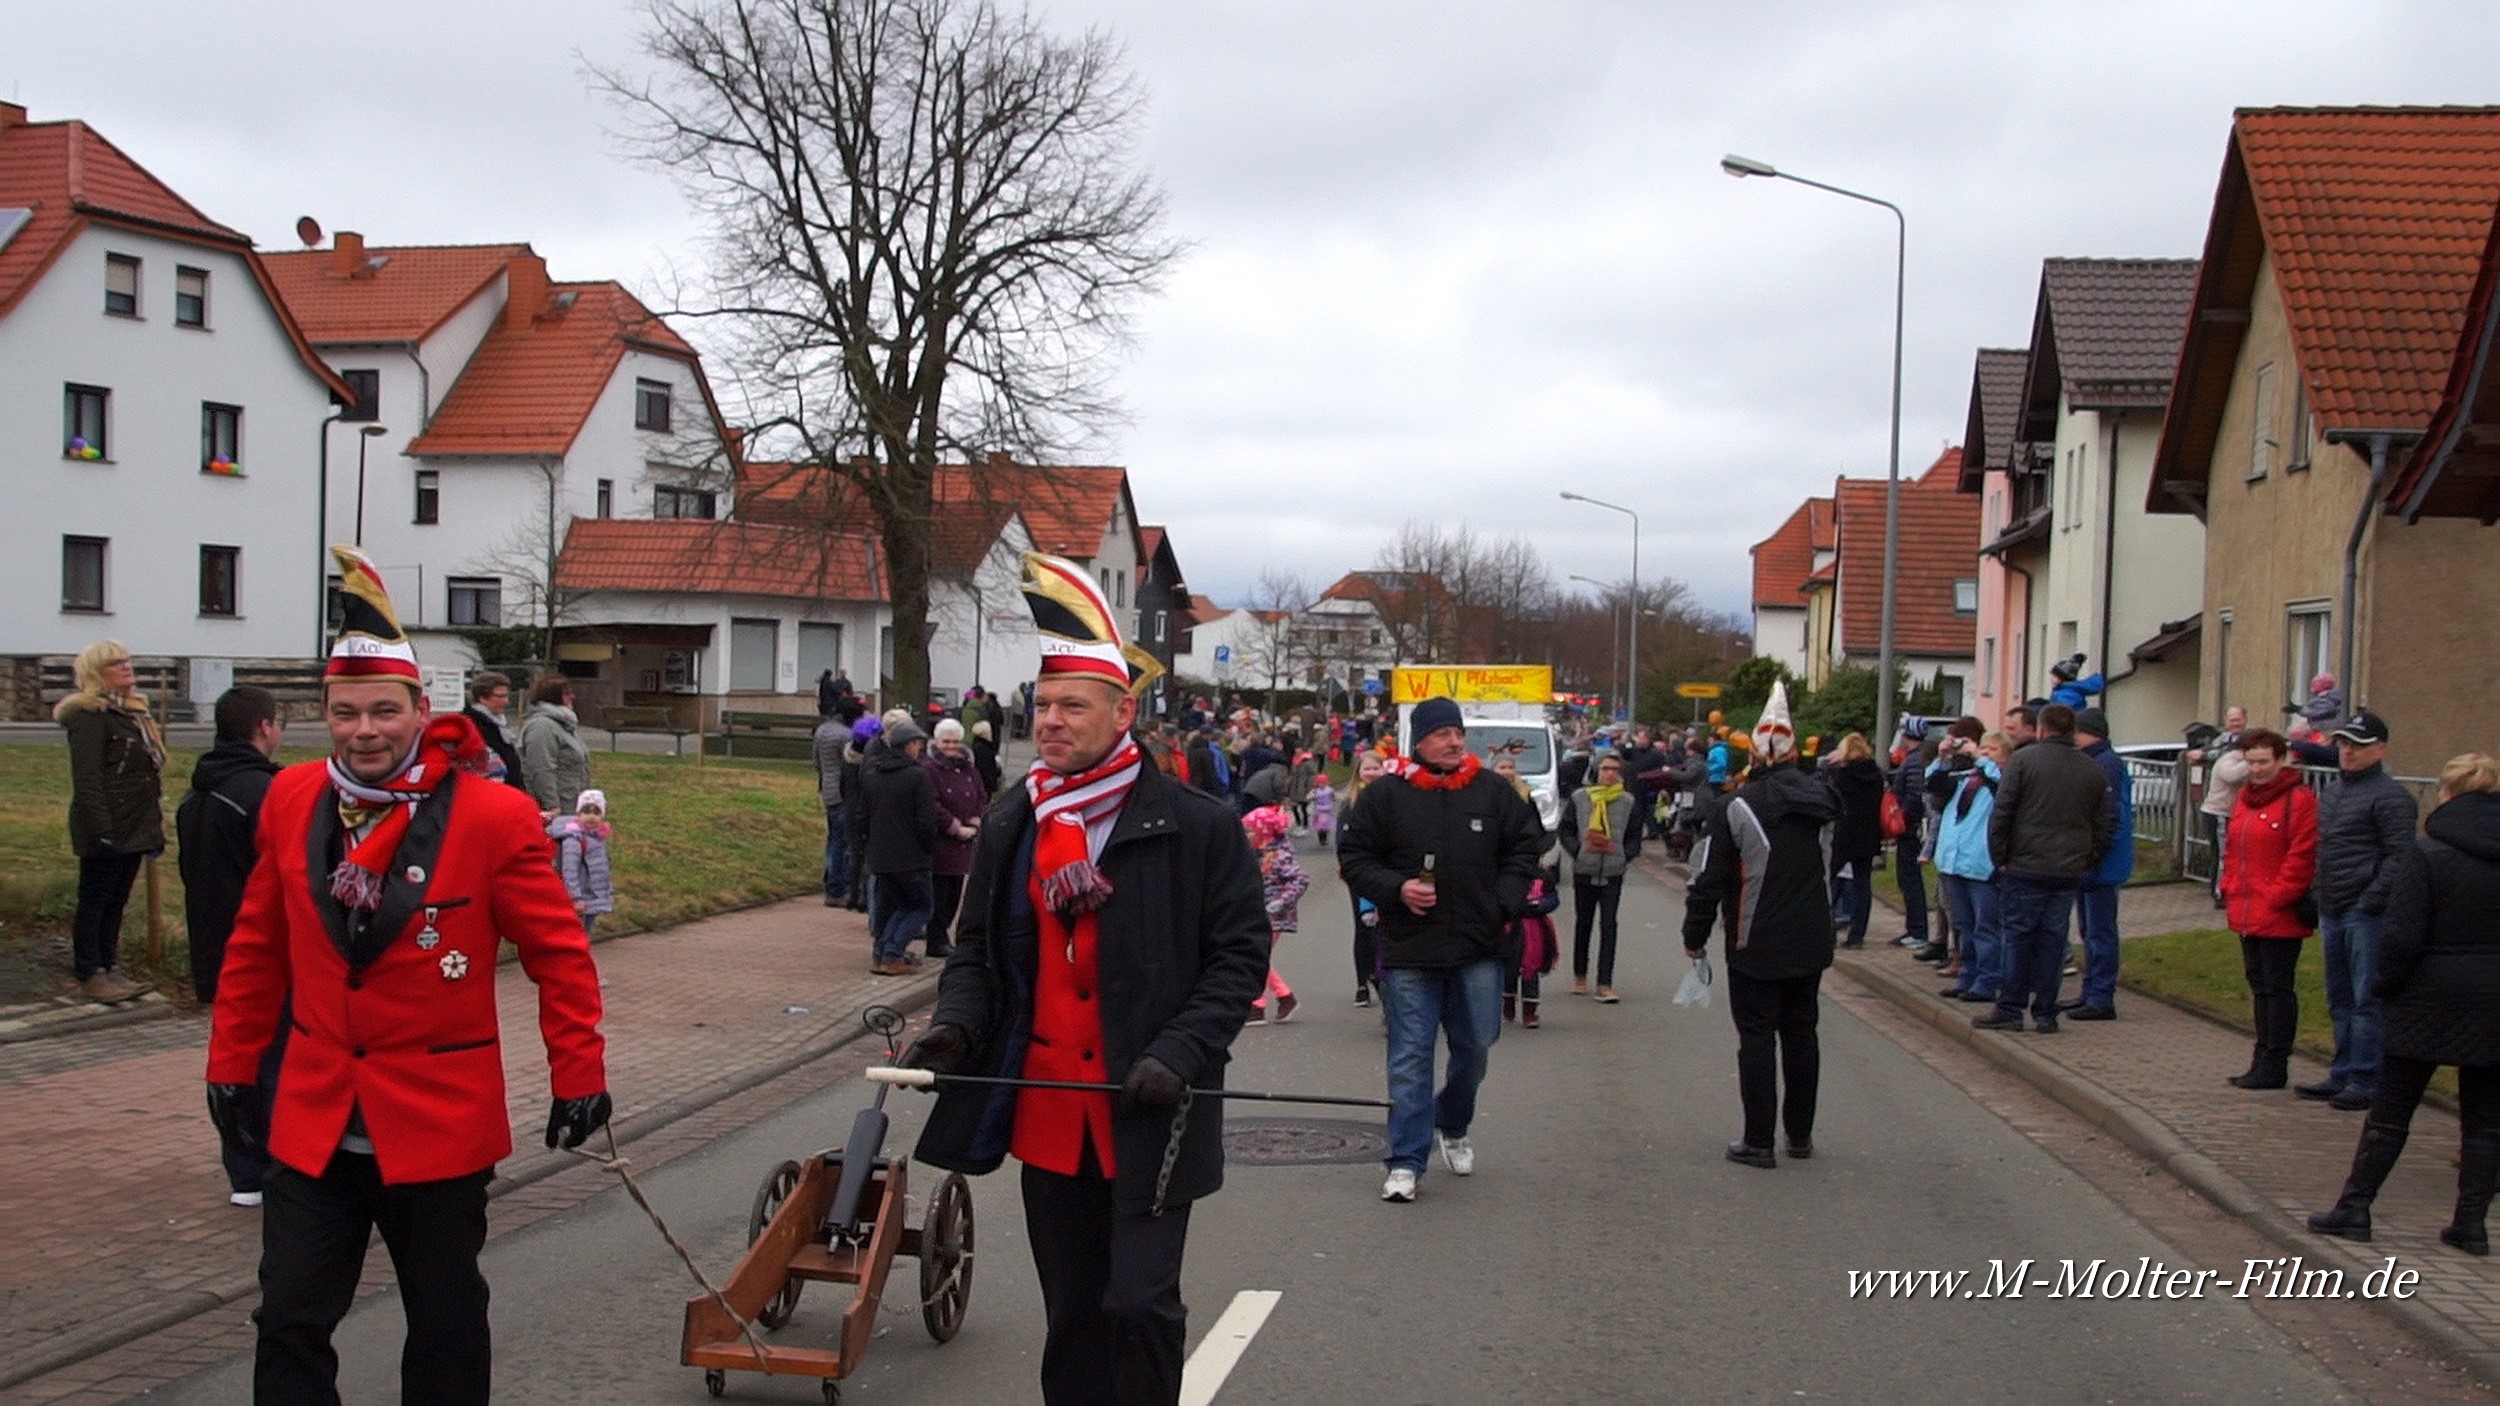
<point>427,937</point>
<point>455,965</point>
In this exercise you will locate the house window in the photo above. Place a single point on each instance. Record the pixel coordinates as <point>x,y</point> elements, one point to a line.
<point>220,570</point>
<point>366,388</point>
<point>2261,442</point>
<point>83,421</point>
<point>1119,585</point>
<point>651,407</point>
<point>2308,630</point>
<point>82,573</point>
<point>667,501</point>
<point>121,285</point>
<point>221,438</point>
<point>429,495</point>
<point>754,655</point>
<point>476,600</point>
<point>1966,596</point>
<point>820,648</point>
<point>607,497</point>
<point>1949,689</point>
<point>190,297</point>
<point>2301,428</point>
<point>885,653</point>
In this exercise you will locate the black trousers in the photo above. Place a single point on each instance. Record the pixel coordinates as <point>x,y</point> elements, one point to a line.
<point>1111,1292</point>
<point>312,1251</point>
<point>947,893</point>
<point>1594,901</point>
<point>1775,1037</point>
<point>2275,1002</point>
<point>95,942</point>
<point>2402,1081</point>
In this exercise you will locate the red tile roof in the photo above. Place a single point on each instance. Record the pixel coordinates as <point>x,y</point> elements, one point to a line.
<point>2375,220</point>
<point>67,177</point>
<point>530,386</point>
<point>1784,560</point>
<point>1068,508</point>
<point>399,293</point>
<point>809,496</point>
<point>689,555</point>
<point>1939,546</point>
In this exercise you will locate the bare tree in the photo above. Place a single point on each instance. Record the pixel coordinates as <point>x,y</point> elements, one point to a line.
<point>1410,580</point>
<point>925,229</point>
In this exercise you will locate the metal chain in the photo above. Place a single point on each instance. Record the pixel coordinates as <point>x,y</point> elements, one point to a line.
<point>1172,1147</point>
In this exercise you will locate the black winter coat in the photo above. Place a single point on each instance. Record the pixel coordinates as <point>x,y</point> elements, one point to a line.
<point>2439,946</point>
<point>1760,864</point>
<point>2055,818</point>
<point>1181,955</point>
<point>216,825</point>
<point>498,736</point>
<point>2365,824</point>
<point>1485,842</point>
<point>904,822</point>
<point>1858,830</point>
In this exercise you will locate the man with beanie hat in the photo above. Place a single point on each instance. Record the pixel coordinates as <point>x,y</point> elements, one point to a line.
<point>1445,850</point>
<point>2096,903</point>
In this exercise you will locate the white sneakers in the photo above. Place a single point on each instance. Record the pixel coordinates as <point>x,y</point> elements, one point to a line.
<point>1399,1187</point>
<point>1457,1153</point>
<point>243,1198</point>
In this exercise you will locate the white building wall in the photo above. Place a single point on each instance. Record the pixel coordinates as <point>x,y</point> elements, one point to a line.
<point>1235,631</point>
<point>151,499</point>
<point>1780,633</point>
<point>989,613</point>
<point>860,622</point>
<point>1117,556</point>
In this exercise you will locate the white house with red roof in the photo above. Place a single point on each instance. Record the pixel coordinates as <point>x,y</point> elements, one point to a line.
<point>1783,564</point>
<point>162,422</point>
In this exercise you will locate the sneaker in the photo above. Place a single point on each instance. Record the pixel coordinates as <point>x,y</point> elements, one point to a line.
<point>109,988</point>
<point>1751,1156</point>
<point>1606,996</point>
<point>1363,997</point>
<point>1579,986</point>
<point>1399,1187</point>
<point>1528,1016</point>
<point>243,1198</point>
<point>1457,1153</point>
<point>1284,1007</point>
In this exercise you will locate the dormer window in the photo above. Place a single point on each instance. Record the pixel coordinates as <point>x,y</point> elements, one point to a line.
<point>121,285</point>
<point>651,407</point>
<point>669,501</point>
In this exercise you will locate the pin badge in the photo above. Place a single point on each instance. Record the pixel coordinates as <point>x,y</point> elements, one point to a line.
<point>1476,825</point>
<point>416,873</point>
<point>455,965</point>
<point>427,937</point>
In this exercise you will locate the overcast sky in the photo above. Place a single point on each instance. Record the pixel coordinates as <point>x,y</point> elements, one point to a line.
<point>1447,257</point>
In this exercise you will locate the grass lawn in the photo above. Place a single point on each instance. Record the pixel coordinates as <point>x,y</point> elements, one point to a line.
<point>689,841</point>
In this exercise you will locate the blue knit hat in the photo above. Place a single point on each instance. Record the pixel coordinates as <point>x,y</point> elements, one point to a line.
<point>1430,716</point>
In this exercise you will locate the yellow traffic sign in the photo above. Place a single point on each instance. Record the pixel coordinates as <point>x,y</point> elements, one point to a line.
<point>1697,690</point>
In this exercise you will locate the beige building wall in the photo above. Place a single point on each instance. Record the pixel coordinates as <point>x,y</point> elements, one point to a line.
<point>2430,641</point>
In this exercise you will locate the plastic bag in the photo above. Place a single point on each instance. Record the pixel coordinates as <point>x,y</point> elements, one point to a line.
<point>1696,988</point>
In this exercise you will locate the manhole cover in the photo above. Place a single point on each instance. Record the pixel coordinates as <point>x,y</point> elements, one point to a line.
<point>1302,1142</point>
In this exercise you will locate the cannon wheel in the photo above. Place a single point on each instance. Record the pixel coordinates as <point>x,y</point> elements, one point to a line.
<point>946,1258</point>
<point>778,1184</point>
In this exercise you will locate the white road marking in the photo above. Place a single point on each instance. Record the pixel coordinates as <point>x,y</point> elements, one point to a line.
<point>1224,1343</point>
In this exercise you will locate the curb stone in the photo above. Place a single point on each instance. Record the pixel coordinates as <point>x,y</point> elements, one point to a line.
<point>72,1020</point>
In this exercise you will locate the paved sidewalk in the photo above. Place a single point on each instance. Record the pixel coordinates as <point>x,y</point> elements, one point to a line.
<point>113,1207</point>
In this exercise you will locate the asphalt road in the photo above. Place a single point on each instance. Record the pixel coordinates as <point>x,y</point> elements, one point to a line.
<point>1603,1251</point>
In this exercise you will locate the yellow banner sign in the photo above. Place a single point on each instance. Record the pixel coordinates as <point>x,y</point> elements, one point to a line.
<point>1474,683</point>
<point>1697,690</point>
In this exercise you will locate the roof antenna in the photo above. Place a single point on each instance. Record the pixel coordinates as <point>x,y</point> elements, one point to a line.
<point>308,230</point>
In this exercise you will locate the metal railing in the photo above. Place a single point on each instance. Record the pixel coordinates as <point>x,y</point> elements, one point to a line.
<point>2183,795</point>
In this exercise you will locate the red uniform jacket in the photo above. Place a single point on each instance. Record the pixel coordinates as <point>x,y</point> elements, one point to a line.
<point>408,1034</point>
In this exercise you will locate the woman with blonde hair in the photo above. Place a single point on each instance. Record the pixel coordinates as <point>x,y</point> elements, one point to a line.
<point>1369,765</point>
<point>1856,835</point>
<point>116,808</point>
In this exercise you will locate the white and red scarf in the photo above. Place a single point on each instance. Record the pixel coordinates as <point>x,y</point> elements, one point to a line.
<point>450,742</point>
<point>1065,807</point>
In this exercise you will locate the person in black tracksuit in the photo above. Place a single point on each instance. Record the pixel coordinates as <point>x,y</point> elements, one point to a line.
<point>1761,864</point>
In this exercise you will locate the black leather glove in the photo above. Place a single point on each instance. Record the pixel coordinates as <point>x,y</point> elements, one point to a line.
<point>575,1119</point>
<point>1152,1084</point>
<point>236,1112</point>
<point>941,1050</point>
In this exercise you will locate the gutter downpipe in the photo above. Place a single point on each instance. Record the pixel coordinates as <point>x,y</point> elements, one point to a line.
<point>321,543</point>
<point>425,387</point>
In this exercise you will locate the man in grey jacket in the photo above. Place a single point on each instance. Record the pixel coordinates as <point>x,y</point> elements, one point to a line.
<point>2365,823</point>
<point>2054,822</point>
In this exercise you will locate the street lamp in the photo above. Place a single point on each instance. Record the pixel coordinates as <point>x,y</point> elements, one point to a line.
<point>1742,166</point>
<point>364,437</point>
<point>1614,640</point>
<point>1632,688</point>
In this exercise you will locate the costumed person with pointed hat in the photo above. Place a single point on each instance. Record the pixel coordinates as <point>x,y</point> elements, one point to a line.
<point>386,876</point>
<point>1761,863</point>
<point>1114,930</point>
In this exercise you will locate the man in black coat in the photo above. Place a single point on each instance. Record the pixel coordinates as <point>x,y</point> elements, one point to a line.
<point>216,826</point>
<point>904,826</point>
<point>2365,826</point>
<point>490,702</point>
<point>1146,989</point>
<point>2054,822</point>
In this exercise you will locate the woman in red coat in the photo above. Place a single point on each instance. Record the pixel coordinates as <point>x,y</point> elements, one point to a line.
<point>2269,857</point>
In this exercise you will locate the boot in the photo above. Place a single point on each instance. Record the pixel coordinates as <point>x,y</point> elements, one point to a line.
<point>108,987</point>
<point>2269,1067</point>
<point>1528,1018</point>
<point>2476,1177</point>
<point>2371,1162</point>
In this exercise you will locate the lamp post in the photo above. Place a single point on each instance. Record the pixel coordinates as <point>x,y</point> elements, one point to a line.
<point>1632,688</point>
<point>364,437</point>
<point>1614,639</point>
<point>1743,166</point>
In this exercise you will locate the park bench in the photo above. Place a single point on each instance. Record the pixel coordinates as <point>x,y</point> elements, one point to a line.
<point>769,728</point>
<point>645,719</point>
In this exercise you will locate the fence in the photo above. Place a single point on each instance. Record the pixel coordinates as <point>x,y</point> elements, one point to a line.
<point>2180,789</point>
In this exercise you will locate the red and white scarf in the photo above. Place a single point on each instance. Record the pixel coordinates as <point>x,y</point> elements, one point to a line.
<point>1065,807</point>
<point>450,742</point>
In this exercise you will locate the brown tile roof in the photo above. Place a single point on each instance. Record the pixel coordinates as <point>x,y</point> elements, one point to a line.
<point>399,293</point>
<point>67,177</point>
<point>2105,333</point>
<point>1203,609</point>
<point>2376,220</point>
<point>1939,546</point>
<point>694,556</point>
<point>530,386</point>
<point>1783,561</point>
<point>1996,398</point>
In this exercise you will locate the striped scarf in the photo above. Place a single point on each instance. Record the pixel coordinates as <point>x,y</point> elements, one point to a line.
<point>449,742</point>
<point>1065,806</point>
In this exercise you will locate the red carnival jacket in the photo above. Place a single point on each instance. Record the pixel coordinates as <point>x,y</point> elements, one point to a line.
<point>409,1032</point>
<point>2269,856</point>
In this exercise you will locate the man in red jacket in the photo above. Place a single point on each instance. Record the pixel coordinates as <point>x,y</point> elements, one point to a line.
<point>386,876</point>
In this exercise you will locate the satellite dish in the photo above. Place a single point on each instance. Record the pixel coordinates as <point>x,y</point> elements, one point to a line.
<point>308,230</point>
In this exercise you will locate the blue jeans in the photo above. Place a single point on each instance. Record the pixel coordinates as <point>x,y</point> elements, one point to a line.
<point>2351,966</point>
<point>2098,909</point>
<point>837,853</point>
<point>899,907</point>
<point>1466,1004</point>
<point>2033,917</point>
<point>1973,903</point>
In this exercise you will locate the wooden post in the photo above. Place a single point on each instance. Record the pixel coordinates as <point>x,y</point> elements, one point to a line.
<point>156,920</point>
